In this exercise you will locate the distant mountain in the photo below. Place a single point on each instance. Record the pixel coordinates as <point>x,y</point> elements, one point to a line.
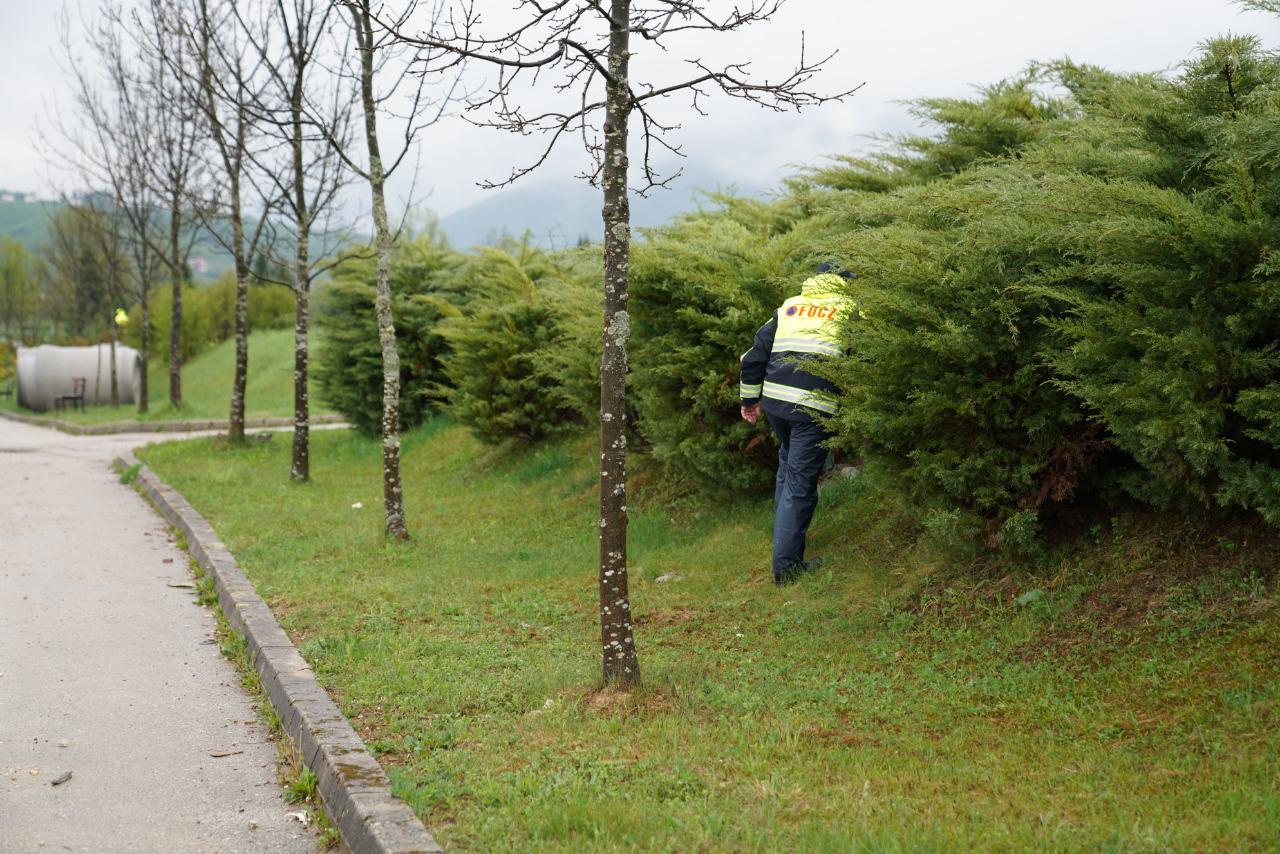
<point>557,214</point>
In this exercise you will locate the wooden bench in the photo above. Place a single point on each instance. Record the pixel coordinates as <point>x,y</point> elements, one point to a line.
<point>75,398</point>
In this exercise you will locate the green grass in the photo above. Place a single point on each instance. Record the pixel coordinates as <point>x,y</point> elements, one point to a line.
<point>886,703</point>
<point>206,385</point>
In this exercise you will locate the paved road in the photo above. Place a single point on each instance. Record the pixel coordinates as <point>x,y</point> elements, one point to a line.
<point>107,671</point>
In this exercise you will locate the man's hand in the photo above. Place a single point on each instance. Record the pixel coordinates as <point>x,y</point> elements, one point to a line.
<point>751,413</point>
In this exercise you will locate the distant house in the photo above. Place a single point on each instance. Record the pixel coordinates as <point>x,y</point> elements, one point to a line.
<point>199,265</point>
<point>10,197</point>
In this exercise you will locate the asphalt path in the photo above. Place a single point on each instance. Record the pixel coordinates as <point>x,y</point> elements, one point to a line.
<point>109,671</point>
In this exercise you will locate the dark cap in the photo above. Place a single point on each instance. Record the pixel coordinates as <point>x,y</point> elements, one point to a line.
<point>828,267</point>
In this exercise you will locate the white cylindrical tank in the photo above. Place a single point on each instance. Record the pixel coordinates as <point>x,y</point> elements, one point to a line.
<point>26,373</point>
<point>47,372</point>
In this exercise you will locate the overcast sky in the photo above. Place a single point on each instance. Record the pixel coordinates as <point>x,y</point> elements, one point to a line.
<point>900,50</point>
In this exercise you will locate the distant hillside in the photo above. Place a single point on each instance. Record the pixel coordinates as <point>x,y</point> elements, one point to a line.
<point>26,217</point>
<point>553,213</point>
<point>560,213</point>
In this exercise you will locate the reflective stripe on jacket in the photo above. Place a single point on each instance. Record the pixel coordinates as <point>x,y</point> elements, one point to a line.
<point>804,328</point>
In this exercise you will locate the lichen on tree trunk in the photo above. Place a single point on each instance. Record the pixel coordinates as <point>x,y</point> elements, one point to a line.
<point>621,666</point>
<point>235,420</point>
<point>301,468</point>
<point>392,488</point>
<point>175,318</point>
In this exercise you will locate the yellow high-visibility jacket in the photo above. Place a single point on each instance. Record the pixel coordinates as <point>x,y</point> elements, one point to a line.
<point>802,329</point>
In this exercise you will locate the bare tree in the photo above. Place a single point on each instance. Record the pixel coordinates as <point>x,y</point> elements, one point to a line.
<point>305,109</point>
<point>589,42</point>
<point>176,133</point>
<point>105,229</point>
<point>128,177</point>
<point>109,143</point>
<point>222,79</point>
<point>377,59</point>
<point>78,298</point>
<point>146,269</point>
<point>100,238</point>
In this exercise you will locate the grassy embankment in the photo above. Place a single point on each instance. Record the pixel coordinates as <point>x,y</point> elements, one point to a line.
<point>887,702</point>
<point>206,385</point>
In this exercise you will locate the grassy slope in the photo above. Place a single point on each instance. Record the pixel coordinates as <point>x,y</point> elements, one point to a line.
<point>206,385</point>
<point>1133,706</point>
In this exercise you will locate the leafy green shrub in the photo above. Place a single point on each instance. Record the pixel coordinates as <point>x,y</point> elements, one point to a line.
<point>524,357</point>
<point>1097,313</point>
<point>1171,338</point>
<point>700,288</point>
<point>208,315</point>
<point>571,367</point>
<point>348,369</point>
<point>946,390</point>
<point>271,306</point>
<point>8,361</point>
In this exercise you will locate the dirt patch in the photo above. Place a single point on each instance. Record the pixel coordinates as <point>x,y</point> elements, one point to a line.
<point>1118,582</point>
<point>1200,569</point>
<point>1127,575</point>
<point>617,702</point>
<point>1126,601</point>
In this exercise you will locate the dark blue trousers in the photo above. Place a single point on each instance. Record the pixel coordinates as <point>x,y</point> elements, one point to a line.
<point>801,458</point>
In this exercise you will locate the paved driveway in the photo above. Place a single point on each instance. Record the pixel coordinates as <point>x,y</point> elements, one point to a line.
<point>109,672</point>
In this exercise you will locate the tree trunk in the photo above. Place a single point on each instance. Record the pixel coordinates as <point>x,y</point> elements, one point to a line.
<point>392,490</point>
<point>621,666</point>
<point>175,318</point>
<point>144,402</point>
<point>115,380</point>
<point>235,422</point>
<point>97,375</point>
<point>301,469</point>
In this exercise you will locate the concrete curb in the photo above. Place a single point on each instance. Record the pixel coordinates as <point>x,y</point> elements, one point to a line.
<point>114,427</point>
<point>353,786</point>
